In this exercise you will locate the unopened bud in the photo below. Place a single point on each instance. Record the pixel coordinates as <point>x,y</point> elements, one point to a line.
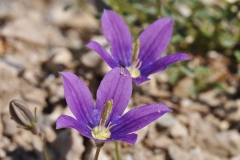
<point>21,114</point>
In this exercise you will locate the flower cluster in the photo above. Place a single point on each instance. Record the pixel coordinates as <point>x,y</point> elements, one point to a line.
<point>105,121</point>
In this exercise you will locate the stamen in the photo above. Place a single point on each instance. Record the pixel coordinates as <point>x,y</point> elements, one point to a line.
<point>122,71</point>
<point>89,127</point>
<point>111,126</point>
<point>136,63</point>
<point>139,65</point>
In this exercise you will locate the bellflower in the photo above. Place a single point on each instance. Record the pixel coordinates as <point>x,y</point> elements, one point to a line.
<point>142,59</point>
<point>106,122</point>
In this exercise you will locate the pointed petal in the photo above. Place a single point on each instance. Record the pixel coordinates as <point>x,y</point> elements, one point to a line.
<point>129,138</point>
<point>118,35</point>
<point>103,53</point>
<point>162,63</point>
<point>65,121</point>
<point>140,80</point>
<point>154,40</point>
<point>78,97</point>
<point>115,86</point>
<point>138,118</point>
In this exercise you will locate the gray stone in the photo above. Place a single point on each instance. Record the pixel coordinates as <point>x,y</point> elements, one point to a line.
<point>69,145</point>
<point>176,153</point>
<point>224,144</point>
<point>178,130</point>
<point>167,120</point>
<point>91,59</point>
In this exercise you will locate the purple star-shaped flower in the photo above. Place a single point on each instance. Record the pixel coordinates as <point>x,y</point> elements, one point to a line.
<point>145,60</point>
<point>106,122</point>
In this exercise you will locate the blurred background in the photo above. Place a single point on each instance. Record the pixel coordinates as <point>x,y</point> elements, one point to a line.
<point>41,37</point>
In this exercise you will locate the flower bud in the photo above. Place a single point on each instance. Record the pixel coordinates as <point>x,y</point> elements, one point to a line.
<point>21,114</point>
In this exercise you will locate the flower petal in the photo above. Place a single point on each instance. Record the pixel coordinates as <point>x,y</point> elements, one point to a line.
<point>115,86</point>
<point>129,138</point>
<point>138,118</point>
<point>118,35</point>
<point>140,80</point>
<point>154,40</point>
<point>103,53</point>
<point>65,121</point>
<point>78,97</point>
<point>162,63</point>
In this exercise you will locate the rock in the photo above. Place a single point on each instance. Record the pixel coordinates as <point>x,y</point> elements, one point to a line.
<point>176,153</point>
<point>9,86</point>
<point>59,59</point>
<point>91,59</point>
<point>73,40</point>
<point>30,77</point>
<point>139,155</point>
<point>232,109</point>
<point>74,17</point>
<point>210,98</point>
<point>69,145</point>
<point>77,148</point>
<point>190,106</point>
<point>9,126</point>
<point>127,157</point>
<point>196,154</point>
<point>24,138</point>
<point>141,134</point>
<point>33,96</point>
<point>156,90</point>
<point>222,125</point>
<point>182,87</point>
<point>197,126</point>
<point>235,157</point>
<point>2,154</point>
<point>207,155</point>
<point>178,130</point>
<point>1,128</point>
<point>162,77</point>
<point>225,144</point>
<point>104,68</point>
<point>101,40</point>
<point>166,121</point>
<point>49,133</point>
<point>158,157</point>
<point>62,56</point>
<point>33,31</point>
<point>162,142</point>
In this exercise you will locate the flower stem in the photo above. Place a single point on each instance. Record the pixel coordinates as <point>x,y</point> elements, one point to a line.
<point>41,136</point>
<point>97,153</point>
<point>117,151</point>
<point>99,146</point>
<point>46,150</point>
<point>159,12</point>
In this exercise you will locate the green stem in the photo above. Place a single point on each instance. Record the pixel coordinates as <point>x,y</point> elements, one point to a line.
<point>46,150</point>
<point>97,153</point>
<point>117,151</point>
<point>159,12</point>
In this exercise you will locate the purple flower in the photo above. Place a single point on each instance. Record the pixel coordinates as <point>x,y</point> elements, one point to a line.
<point>145,59</point>
<point>105,122</point>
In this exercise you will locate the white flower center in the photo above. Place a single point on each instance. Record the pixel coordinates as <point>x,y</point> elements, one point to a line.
<point>101,133</point>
